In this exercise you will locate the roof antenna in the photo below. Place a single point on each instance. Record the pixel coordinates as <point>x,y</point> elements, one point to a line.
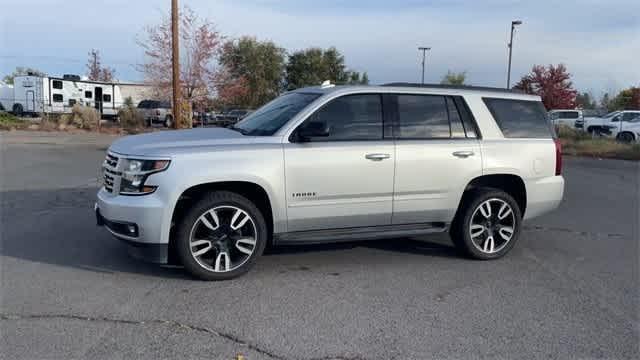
<point>326,84</point>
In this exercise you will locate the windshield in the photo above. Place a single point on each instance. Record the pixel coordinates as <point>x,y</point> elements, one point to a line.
<point>611,114</point>
<point>271,117</point>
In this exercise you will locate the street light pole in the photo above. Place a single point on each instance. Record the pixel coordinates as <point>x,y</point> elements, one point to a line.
<point>175,64</point>
<point>424,57</point>
<point>513,27</point>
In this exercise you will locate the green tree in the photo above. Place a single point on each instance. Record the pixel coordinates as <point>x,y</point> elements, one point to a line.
<point>312,66</point>
<point>20,70</point>
<point>627,99</point>
<point>585,101</point>
<point>452,78</point>
<point>254,72</point>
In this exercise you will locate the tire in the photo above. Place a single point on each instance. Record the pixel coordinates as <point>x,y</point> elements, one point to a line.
<point>626,137</point>
<point>201,245</point>
<point>472,217</point>
<point>168,121</point>
<point>17,109</point>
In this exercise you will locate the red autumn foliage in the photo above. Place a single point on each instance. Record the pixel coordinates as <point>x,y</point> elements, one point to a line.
<point>553,84</point>
<point>200,44</point>
<point>635,99</point>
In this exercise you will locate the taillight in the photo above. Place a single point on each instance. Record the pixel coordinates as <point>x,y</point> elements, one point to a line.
<point>558,157</point>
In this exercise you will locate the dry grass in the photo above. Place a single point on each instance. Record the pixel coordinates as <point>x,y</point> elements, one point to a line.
<point>10,122</point>
<point>580,143</point>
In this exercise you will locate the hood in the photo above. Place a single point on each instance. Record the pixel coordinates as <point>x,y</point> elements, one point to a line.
<point>169,142</point>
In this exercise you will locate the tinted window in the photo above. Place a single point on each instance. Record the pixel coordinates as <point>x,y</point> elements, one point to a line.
<point>144,104</point>
<point>56,84</point>
<point>457,129</point>
<point>422,117</point>
<point>467,119</point>
<point>57,98</point>
<point>352,117</point>
<point>106,98</point>
<point>519,118</point>
<point>88,94</point>
<point>631,117</point>
<point>568,115</point>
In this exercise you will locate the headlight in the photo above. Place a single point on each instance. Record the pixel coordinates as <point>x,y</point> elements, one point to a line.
<point>135,173</point>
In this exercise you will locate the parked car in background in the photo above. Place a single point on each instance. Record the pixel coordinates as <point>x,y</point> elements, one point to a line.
<point>156,112</point>
<point>201,119</point>
<point>628,128</point>
<point>231,117</point>
<point>617,120</point>
<point>571,118</point>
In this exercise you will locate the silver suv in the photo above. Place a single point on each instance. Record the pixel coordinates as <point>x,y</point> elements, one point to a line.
<point>334,163</point>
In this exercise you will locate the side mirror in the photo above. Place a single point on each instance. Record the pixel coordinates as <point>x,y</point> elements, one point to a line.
<point>313,129</point>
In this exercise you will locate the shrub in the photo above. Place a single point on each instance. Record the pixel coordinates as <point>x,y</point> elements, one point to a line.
<point>130,118</point>
<point>84,117</point>
<point>8,122</point>
<point>566,132</point>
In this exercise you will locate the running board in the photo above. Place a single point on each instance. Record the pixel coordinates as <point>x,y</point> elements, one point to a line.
<point>358,233</point>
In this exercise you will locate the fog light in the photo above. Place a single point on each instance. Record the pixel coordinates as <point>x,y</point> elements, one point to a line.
<point>132,229</point>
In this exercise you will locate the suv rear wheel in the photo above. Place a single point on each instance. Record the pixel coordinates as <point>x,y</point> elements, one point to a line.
<point>626,137</point>
<point>168,121</point>
<point>488,225</point>
<point>221,236</point>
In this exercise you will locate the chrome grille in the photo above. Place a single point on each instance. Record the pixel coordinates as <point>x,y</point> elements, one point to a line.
<point>111,174</point>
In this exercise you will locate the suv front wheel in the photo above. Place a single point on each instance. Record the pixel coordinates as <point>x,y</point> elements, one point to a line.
<point>488,225</point>
<point>221,236</point>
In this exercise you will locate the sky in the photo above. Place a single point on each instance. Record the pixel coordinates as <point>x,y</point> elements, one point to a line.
<point>598,41</point>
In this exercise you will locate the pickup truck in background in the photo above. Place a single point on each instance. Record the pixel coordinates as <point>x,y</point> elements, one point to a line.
<point>618,124</point>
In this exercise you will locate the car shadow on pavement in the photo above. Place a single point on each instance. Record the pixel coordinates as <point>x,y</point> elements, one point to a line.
<point>58,227</point>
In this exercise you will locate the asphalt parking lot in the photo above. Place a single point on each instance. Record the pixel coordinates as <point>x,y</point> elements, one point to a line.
<point>569,289</point>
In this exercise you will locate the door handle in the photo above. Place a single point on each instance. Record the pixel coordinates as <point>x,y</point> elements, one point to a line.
<point>377,157</point>
<point>463,154</point>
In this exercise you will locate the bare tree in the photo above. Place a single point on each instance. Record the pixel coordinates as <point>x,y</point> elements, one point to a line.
<point>95,70</point>
<point>200,46</point>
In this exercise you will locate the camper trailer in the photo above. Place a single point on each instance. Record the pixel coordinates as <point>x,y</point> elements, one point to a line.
<point>42,94</point>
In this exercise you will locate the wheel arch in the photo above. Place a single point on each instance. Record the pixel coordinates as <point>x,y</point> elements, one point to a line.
<point>250,190</point>
<point>512,184</point>
<point>633,136</point>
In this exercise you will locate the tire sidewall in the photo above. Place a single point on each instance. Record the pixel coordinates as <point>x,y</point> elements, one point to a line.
<point>465,236</point>
<point>209,202</point>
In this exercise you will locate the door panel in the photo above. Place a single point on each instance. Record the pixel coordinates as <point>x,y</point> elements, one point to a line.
<point>31,101</point>
<point>430,178</point>
<point>334,184</point>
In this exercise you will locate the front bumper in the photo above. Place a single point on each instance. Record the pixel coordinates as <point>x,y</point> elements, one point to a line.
<point>137,221</point>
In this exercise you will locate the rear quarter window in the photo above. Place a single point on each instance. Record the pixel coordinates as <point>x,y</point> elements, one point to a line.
<point>520,118</point>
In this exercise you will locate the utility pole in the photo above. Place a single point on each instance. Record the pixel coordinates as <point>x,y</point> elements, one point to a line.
<point>424,58</point>
<point>175,63</point>
<point>513,27</point>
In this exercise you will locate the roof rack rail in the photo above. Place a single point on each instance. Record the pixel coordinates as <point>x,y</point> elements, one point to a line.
<point>455,87</point>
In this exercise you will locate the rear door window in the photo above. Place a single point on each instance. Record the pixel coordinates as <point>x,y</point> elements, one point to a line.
<point>520,118</point>
<point>433,117</point>
<point>422,117</point>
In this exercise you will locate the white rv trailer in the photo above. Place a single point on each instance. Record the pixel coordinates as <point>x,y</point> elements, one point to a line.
<point>44,94</point>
